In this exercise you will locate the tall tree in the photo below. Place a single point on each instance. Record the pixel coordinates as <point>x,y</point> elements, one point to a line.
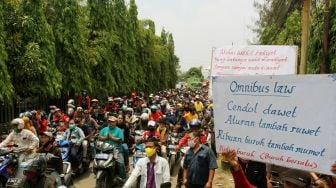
<point>71,46</point>
<point>6,87</point>
<point>101,42</point>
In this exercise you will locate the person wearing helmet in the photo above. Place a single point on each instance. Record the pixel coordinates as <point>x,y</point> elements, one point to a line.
<point>41,120</point>
<point>55,164</point>
<point>151,131</point>
<point>156,114</point>
<point>84,100</point>
<point>130,118</point>
<point>35,176</point>
<point>23,138</point>
<point>48,146</point>
<point>191,115</point>
<point>76,136</point>
<point>29,125</point>
<point>94,104</point>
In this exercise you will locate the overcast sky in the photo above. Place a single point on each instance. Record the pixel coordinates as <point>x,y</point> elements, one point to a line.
<point>199,25</point>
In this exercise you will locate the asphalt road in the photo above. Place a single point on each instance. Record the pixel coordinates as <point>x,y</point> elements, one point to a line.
<point>222,179</point>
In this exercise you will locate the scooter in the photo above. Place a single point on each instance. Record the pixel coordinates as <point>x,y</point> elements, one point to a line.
<point>139,152</point>
<point>173,155</point>
<point>65,147</point>
<point>104,165</point>
<point>65,177</point>
<point>8,165</point>
<point>24,161</point>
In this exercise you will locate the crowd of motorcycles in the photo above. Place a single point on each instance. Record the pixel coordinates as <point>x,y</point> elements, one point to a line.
<point>102,156</point>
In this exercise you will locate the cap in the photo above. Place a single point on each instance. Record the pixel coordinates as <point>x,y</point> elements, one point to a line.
<point>112,118</point>
<point>94,100</point>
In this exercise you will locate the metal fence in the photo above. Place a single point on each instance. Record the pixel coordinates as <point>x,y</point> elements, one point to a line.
<point>11,111</point>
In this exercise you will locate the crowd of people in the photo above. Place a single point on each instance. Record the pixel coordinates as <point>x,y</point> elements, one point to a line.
<point>184,112</point>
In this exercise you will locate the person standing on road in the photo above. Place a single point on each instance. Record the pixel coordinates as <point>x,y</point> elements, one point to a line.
<point>199,164</point>
<point>153,169</point>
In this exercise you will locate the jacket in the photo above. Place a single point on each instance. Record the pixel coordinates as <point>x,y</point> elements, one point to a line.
<point>161,172</point>
<point>24,139</point>
<point>78,134</point>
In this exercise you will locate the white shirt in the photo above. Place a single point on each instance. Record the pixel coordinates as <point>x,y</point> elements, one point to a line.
<point>161,172</point>
<point>24,139</point>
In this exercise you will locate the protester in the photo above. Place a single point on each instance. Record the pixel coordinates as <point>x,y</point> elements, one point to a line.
<point>199,164</point>
<point>153,169</point>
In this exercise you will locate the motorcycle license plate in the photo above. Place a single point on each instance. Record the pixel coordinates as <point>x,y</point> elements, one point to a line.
<point>102,156</point>
<point>172,146</point>
<point>13,182</point>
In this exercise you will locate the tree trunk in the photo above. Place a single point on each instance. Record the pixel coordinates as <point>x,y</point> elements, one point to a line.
<point>324,66</point>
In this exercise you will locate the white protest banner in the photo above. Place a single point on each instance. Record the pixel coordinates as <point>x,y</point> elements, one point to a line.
<point>254,59</point>
<point>284,120</point>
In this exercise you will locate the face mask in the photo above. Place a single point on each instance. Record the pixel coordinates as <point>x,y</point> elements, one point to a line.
<point>150,152</point>
<point>191,143</point>
<point>20,126</point>
<point>111,126</point>
<point>72,126</point>
<point>16,130</point>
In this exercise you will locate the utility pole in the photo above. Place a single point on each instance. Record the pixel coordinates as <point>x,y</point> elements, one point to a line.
<point>305,36</point>
<point>324,65</point>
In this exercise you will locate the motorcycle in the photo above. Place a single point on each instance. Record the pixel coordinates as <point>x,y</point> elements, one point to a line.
<point>24,161</point>
<point>139,152</point>
<point>65,147</point>
<point>173,155</point>
<point>8,165</point>
<point>104,165</point>
<point>66,176</point>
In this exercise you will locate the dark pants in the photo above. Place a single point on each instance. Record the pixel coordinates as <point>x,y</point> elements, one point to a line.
<point>190,185</point>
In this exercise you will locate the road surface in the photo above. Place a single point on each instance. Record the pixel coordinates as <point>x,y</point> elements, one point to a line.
<point>222,179</point>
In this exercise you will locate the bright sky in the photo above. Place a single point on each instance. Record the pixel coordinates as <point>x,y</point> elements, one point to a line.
<point>199,25</point>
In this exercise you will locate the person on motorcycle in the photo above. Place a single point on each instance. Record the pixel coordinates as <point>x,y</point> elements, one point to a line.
<point>191,115</point>
<point>155,113</point>
<point>163,131</point>
<point>35,176</point>
<point>126,131</point>
<point>48,147</point>
<point>41,120</point>
<point>84,100</point>
<point>28,124</point>
<point>98,116</point>
<point>153,169</point>
<point>94,104</point>
<point>114,136</point>
<point>130,118</point>
<point>198,104</point>
<point>23,138</point>
<point>151,131</point>
<point>90,128</point>
<point>76,136</point>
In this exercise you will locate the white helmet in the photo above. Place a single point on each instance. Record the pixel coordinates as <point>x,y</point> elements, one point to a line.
<point>151,123</point>
<point>18,122</point>
<point>144,117</point>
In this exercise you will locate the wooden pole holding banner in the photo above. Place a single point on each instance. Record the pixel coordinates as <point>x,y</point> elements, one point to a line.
<point>210,75</point>
<point>304,36</point>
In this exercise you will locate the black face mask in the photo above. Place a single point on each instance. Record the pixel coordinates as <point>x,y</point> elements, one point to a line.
<point>151,129</point>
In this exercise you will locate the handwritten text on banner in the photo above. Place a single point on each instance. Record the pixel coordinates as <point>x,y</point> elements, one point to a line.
<point>255,59</point>
<point>285,120</point>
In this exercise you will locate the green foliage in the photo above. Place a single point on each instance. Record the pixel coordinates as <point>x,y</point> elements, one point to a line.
<point>6,87</point>
<point>280,24</point>
<point>194,73</point>
<point>55,48</point>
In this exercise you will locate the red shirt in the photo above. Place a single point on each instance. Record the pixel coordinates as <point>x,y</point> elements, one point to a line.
<point>240,179</point>
<point>42,125</point>
<point>147,134</point>
<point>184,140</point>
<point>156,116</point>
